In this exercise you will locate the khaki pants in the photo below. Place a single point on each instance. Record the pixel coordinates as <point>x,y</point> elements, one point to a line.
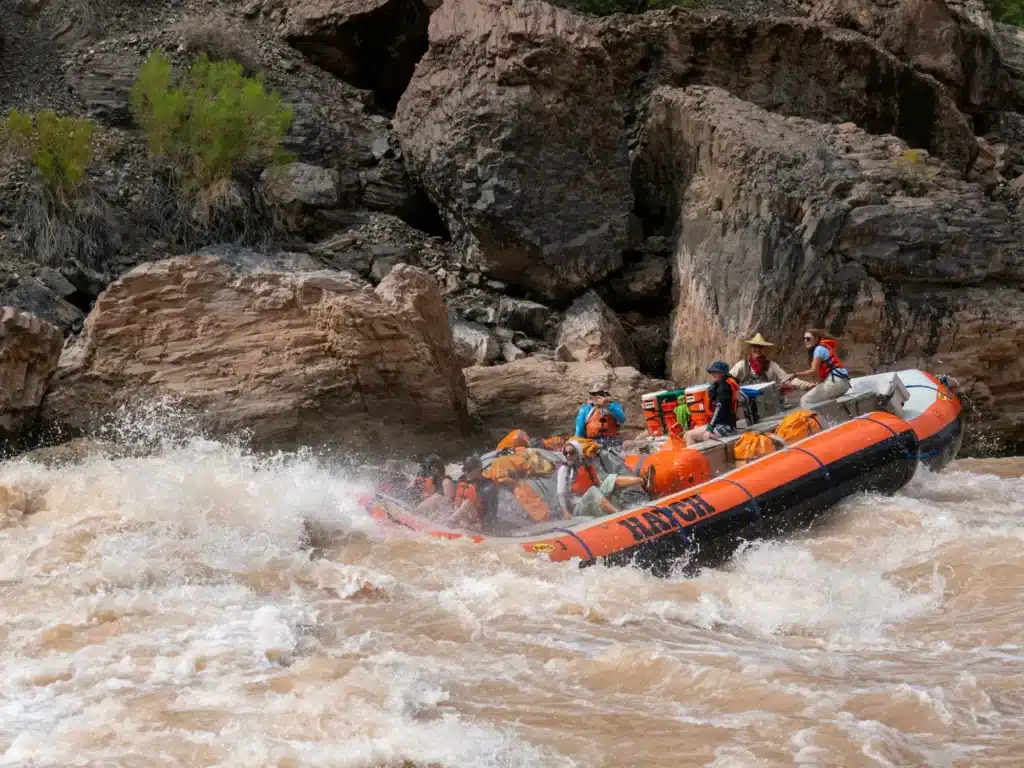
<point>589,504</point>
<point>831,388</point>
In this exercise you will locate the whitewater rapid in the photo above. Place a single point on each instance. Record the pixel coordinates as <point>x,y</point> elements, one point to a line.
<point>163,611</point>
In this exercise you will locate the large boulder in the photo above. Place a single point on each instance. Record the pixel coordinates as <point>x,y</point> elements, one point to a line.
<point>528,317</point>
<point>518,120</point>
<point>474,345</point>
<point>784,223</point>
<point>591,331</point>
<point>29,351</point>
<point>296,355</point>
<point>542,396</point>
<point>513,125</point>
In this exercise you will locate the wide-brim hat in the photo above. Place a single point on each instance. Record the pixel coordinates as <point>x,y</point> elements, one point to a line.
<point>759,341</point>
<point>598,388</point>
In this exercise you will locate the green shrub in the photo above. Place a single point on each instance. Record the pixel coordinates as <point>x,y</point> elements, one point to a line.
<point>1009,12</point>
<point>608,7</point>
<point>59,148</point>
<point>210,125</point>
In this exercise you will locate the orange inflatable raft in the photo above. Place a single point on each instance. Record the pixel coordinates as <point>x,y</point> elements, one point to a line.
<point>709,498</point>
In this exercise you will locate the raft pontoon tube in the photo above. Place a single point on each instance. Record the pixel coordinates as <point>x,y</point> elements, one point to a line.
<point>884,426</point>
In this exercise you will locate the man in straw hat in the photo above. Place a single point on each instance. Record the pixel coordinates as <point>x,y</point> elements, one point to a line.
<point>757,368</point>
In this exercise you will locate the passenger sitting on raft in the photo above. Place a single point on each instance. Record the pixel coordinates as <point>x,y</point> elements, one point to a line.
<point>757,368</point>
<point>826,368</point>
<point>724,395</point>
<point>433,489</point>
<point>600,418</point>
<point>579,491</point>
<point>476,497</point>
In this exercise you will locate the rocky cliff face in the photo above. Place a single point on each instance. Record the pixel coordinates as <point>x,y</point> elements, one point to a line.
<point>784,223</point>
<point>638,189</point>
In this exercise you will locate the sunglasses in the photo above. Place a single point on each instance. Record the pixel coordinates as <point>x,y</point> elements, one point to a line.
<point>808,338</point>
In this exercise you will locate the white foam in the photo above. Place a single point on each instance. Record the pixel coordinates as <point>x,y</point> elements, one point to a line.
<point>166,606</point>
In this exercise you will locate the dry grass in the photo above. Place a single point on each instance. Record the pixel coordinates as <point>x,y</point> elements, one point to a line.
<point>226,212</point>
<point>56,231</point>
<point>220,40</point>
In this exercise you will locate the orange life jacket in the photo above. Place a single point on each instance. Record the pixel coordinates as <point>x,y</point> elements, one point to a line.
<point>514,440</point>
<point>466,491</point>
<point>826,367</point>
<point>531,501</point>
<point>735,387</point>
<point>600,423</point>
<point>585,479</point>
<point>554,443</point>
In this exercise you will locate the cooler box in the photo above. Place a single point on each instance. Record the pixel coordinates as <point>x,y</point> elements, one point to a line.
<point>766,395</point>
<point>659,410</point>
<point>699,402</point>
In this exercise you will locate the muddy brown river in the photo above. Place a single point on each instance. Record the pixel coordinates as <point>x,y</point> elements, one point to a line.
<point>161,612</point>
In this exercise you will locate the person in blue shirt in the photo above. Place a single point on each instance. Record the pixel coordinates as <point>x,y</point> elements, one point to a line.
<point>600,418</point>
<point>826,368</point>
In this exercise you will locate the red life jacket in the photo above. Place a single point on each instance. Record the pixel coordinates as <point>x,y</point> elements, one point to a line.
<point>600,423</point>
<point>826,367</point>
<point>585,479</point>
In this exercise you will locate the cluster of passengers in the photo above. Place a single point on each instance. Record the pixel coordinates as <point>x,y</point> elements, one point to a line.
<point>472,501</point>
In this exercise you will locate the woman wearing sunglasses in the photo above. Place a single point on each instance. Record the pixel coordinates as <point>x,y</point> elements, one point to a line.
<point>582,494</point>
<point>826,368</point>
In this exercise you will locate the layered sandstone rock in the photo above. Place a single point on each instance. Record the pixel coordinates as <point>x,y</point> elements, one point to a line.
<point>29,351</point>
<point>297,357</point>
<point>786,223</point>
<point>542,396</point>
<point>518,119</point>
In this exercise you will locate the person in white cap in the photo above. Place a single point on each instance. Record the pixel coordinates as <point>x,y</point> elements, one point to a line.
<point>600,418</point>
<point>758,368</point>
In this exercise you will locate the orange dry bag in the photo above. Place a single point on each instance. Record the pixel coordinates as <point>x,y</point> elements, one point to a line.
<point>752,446</point>
<point>798,425</point>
